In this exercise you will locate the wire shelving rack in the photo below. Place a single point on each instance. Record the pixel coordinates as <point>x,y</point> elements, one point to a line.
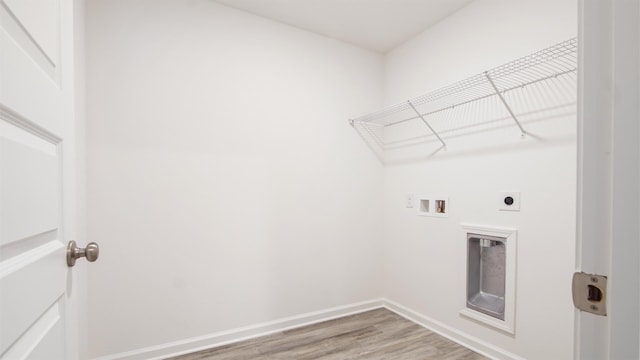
<point>409,122</point>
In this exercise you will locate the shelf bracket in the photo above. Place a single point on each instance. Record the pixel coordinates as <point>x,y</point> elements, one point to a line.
<point>504,102</point>
<point>426,123</point>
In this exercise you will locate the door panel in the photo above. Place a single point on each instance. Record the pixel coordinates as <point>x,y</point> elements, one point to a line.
<point>51,337</point>
<point>32,306</point>
<point>30,184</point>
<point>31,67</point>
<point>32,270</point>
<point>36,164</point>
<point>42,26</point>
<point>45,334</point>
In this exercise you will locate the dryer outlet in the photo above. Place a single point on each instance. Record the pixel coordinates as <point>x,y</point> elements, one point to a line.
<point>509,201</point>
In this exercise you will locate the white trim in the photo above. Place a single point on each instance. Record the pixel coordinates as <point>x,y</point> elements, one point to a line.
<point>593,200</point>
<point>221,338</point>
<point>481,347</point>
<point>243,333</point>
<point>23,123</point>
<point>490,230</point>
<point>18,134</point>
<point>488,320</point>
<point>607,217</point>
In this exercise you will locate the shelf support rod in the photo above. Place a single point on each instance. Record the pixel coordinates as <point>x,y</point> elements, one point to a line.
<point>426,123</point>
<point>504,102</point>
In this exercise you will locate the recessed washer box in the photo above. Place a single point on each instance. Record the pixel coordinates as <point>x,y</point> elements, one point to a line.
<point>491,276</point>
<point>509,201</point>
<point>486,264</point>
<point>436,206</point>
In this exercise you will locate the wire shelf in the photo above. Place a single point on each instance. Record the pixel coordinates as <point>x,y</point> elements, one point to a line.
<point>500,90</point>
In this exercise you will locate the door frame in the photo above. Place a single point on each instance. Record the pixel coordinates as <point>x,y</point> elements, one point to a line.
<point>608,194</point>
<point>608,168</point>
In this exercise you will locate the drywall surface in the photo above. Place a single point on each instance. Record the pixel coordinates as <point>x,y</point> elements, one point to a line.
<point>225,186</point>
<point>425,257</point>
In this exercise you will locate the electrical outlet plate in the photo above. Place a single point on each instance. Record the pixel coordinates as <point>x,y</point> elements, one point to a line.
<point>509,201</point>
<point>409,200</point>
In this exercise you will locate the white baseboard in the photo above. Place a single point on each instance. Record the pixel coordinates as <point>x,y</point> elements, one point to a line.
<point>249,332</point>
<point>244,333</point>
<point>473,343</point>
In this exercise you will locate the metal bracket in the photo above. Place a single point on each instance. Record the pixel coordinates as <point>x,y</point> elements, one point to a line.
<point>589,293</point>
<point>426,123</point>
<point>504,102</point>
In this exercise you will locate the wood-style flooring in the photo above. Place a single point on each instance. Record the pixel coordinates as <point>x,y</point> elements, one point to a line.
<point>374,335</point>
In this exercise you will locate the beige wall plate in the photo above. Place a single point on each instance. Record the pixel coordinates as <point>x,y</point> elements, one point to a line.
<point>589,293</point>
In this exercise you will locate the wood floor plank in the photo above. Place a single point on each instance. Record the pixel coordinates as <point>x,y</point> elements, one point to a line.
<point>373,335</point>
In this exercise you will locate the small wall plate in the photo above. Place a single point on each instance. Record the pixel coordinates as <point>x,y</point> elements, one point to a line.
<point>509,201</point>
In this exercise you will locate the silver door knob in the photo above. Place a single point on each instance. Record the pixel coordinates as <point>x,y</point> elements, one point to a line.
<point>74,252</point>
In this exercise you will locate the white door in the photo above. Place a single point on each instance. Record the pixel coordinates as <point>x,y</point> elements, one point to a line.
<point>37,173</point>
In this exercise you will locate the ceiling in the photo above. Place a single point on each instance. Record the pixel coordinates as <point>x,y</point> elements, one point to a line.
<point>379,25</point>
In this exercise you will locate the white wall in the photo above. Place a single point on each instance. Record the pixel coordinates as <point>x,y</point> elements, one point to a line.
<point>225,186</point>
<point>226,189</point>
<point>424,262</point>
